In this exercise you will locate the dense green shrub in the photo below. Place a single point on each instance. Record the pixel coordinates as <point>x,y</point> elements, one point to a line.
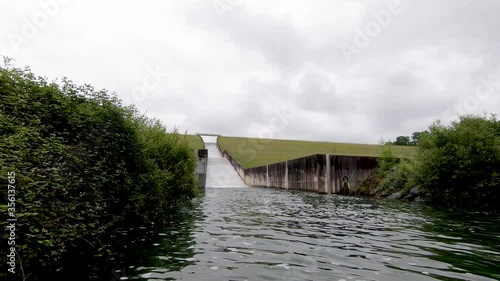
<point>387,160</point>
<point>83,165</point>
<point>392,174</point>
<point>459,165</point>
<point>456,165</point>
<point>396,179</point>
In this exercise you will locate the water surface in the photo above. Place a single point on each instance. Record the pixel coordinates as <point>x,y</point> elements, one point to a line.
<point>269,234</point>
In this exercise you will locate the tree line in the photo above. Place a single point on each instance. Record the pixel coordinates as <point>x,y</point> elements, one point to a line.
<point>408,140</point>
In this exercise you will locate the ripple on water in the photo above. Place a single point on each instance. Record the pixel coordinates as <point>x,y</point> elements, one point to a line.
<point>265,234</point>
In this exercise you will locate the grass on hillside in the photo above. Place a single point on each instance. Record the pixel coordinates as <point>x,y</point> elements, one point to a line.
<point>195,141</point>
<point>253,152</point>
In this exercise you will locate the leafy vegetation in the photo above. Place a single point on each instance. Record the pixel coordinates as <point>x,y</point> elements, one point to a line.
<point>407,140</point>
<point>459,165</point>
<point>456,165</point>
<point>396,179</point>
<point>387,159</point>
<point>83,165</point>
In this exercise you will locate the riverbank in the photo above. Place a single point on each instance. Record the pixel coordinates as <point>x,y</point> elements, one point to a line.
<point>78,165</point>
<point>391,187</point>
<point>456,165</point>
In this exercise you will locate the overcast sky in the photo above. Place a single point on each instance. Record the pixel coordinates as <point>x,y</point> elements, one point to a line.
<point>344,71</point>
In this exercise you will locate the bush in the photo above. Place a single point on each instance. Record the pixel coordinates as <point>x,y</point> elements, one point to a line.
<point>396,179</point>
<point>459,165</point>
<point>392,174</point>
<point>83,165</point>
<point>387,160</point>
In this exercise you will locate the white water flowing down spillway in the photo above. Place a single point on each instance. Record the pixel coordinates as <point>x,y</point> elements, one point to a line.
<point>220,172</point>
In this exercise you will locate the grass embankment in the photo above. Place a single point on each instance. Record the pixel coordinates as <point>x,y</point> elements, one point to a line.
<point>195,142</point>
<point>253,152</point>
<point>80,165</point>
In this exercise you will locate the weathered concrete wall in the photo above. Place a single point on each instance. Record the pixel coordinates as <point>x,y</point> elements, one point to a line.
<point>277,175</point>
<point>256,176</point>
<point>356,168</point>
<point>318,173</point>
<point>201,167</point>
<point>307,173</point>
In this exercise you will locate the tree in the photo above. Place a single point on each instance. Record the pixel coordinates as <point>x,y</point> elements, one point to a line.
<point>460,164</point>
<point>402,140</point>
<point>415,137</point>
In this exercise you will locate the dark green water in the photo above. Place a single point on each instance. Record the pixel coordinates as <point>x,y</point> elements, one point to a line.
<point>266,234</point>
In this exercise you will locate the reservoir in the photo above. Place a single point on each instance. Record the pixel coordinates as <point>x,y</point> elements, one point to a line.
<point>270,234</point>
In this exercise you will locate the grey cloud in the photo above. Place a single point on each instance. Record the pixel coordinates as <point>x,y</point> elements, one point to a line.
<point>318,93</point>
<point>230,74</point>
<point>277,39</point>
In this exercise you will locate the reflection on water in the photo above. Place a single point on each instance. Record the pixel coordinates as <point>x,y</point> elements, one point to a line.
<point>265,234</point>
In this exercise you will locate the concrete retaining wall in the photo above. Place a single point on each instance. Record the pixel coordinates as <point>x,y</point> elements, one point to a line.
<point>318,173</point>
<point>355,168</point>
<point>201,167</point>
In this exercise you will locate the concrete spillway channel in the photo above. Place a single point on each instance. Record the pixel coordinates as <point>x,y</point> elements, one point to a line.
<point>220,172</point>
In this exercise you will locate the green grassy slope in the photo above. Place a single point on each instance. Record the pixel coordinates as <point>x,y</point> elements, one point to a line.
<point>252,152</point>
<point>195,141</point>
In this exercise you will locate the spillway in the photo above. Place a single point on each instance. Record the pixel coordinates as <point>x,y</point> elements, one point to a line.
<point>220,172</point>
